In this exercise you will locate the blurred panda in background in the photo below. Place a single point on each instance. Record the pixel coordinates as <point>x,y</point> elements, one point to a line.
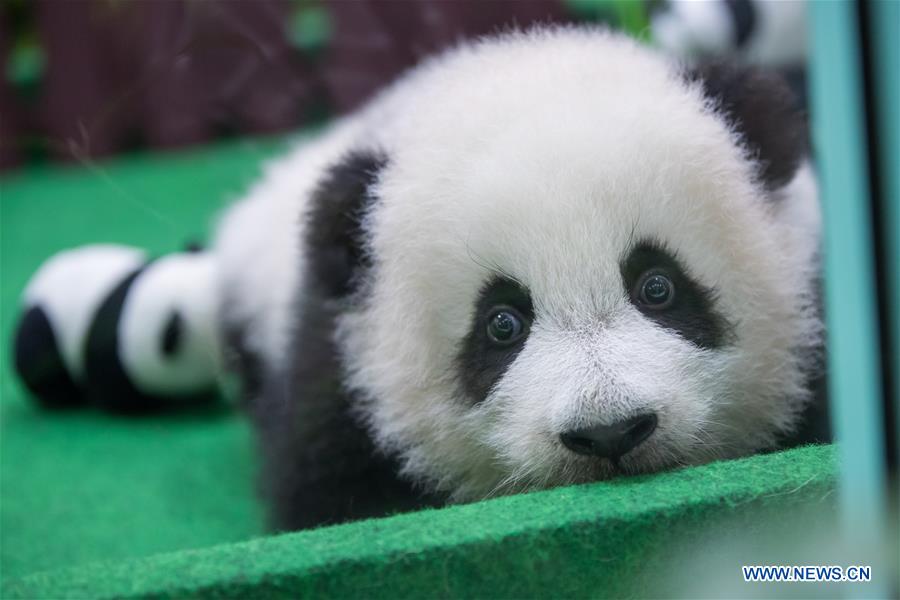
<point>109,326</point>
<point>769,33</point>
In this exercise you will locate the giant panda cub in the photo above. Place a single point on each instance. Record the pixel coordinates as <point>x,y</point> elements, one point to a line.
<point>539,259</point>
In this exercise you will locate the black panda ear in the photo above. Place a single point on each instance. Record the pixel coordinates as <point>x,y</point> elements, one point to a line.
<point>193,247</point>
<point>335,233</point>
<point>760,106</point>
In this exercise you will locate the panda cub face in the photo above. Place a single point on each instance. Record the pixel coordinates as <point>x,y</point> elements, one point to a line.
<point>583,262</point>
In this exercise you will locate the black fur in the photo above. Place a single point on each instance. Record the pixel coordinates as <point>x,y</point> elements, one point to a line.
<point>692,314</point>
<point>173,334</point>
<point>39,363</point>
<point>335,242</point>
<point>760,106</point>
<point>239,359</point>
<point>320,465</point>
<point>106,381</point>
<point>194,247</point>
<point>743,16</point>
<point>482,363</point>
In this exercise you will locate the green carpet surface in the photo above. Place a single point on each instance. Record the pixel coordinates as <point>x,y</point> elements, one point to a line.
<point>83,486</point>
<point>583,541</point>
<point>93,505</point>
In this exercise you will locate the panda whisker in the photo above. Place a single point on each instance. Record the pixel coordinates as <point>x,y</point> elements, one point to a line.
<point>492,267</point>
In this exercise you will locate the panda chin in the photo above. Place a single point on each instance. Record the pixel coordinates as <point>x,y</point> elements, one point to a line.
<point>566,468</point>
<point>592,470</point>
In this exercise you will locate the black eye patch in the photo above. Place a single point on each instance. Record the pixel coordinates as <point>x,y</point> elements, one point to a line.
<point>689,311</point>
<point>482,361</point>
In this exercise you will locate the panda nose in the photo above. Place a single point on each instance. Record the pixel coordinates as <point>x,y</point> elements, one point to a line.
<point>610,441</point>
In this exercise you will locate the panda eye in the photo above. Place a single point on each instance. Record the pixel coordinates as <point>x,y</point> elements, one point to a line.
<point>172,335</point>
<point>655,291</point>
<point>505,326</point>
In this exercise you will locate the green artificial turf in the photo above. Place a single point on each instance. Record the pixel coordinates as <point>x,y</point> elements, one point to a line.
<point>604,539</point>
<point>82,486</point>
<point>93,505</point>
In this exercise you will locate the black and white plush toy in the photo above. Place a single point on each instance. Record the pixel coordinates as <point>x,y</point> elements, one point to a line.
<point>103,324</point>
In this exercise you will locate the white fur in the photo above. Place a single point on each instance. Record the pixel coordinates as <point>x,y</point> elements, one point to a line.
<point>70,286</point>
<point>182,283</point>
<point>543,156</point>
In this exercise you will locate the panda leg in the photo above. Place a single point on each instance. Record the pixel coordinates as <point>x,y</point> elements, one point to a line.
<point>40,365</point>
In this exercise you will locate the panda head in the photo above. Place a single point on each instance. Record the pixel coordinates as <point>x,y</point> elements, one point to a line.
<point>572,259</point>
<point>153,340</point>
<point>167,333</point>
<point>765,32</point>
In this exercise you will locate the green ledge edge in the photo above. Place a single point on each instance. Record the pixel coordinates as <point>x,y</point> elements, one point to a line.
<point>567,542</point>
